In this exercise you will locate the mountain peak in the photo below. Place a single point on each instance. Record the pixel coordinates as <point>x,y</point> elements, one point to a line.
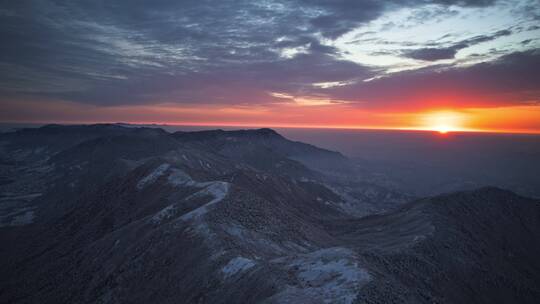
<point>220,133</point>
<point>267,131</point>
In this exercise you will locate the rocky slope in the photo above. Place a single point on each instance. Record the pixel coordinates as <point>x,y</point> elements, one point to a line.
<point>138,215</point>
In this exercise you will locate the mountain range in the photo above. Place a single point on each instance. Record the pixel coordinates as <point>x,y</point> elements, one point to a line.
<point>114,214</point>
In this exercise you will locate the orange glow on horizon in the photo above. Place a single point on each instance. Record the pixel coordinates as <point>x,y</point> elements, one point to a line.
<point>509,119</point>
<point>444,121</point>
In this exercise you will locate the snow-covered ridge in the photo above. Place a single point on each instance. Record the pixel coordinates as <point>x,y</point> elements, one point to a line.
<point>153,176</point>
<point>237,265</point>
<point>178,178</point>
<point>216,189</point>
<point>329,275</point>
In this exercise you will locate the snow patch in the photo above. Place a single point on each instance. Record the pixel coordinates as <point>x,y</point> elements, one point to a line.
<point>216,189</point>
<point>254,239</point>
<point>23,219</point>
<point>237,265</point>
<point>329,275</point>
<point>180,178</point>
<point>164,213</point>
<point>177,178</point>
<point>153,176</point>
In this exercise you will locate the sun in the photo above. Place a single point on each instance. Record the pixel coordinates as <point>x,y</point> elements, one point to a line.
<point>443,121</point>
<point>443,129</point>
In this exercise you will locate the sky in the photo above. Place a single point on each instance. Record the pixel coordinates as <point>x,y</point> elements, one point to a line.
<point>445,65</point>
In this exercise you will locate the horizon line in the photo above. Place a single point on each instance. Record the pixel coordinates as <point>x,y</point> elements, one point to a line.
<point>287,126</point>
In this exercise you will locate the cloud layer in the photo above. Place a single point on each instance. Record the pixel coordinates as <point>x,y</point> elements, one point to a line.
<point>263,53</point>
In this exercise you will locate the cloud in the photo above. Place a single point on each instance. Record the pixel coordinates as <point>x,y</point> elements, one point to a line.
<point>511,80</point>
<point>434,54</point>
<point>340,16</point>
<point>122,52</point>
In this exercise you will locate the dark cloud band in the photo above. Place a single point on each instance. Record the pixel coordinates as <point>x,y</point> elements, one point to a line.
<point>224,52</point>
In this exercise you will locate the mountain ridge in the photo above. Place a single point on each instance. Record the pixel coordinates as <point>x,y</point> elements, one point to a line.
<point>141,216</point>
